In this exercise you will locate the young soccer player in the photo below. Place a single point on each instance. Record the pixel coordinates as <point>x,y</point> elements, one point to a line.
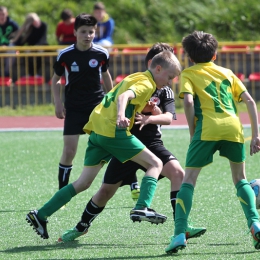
<point>160,111</point>
<point>209,93</point>
<point>109,128</point>
<point>82,63</point>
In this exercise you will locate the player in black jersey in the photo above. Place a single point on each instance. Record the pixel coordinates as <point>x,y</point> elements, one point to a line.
<point>159,111</point>
<point>83,63</point>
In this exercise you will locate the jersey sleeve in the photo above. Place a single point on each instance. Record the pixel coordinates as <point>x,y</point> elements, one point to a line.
<point>143,91</point>
<point>58,66</point>
<point>186,85</point>
<point>238,88</point>
<point>105,64</point>
<point>168,102</point>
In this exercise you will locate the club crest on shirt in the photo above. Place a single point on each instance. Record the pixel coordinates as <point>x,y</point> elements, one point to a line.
<point>93,63</point>
<point>155,100</point>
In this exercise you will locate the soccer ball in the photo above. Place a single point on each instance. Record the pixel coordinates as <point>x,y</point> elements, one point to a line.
<point>255,184</point>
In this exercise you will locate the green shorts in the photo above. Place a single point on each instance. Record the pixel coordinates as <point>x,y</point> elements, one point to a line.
<point>200,153</point>
<point>100,149</point>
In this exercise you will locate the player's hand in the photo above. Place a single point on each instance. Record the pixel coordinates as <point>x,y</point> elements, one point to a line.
<point>60,111</point>
<point>141,120</point>
<point>122,122</point>
<point>149,107</point>
<point>255,145</point>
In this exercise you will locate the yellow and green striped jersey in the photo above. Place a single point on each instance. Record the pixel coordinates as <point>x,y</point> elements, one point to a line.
<point>215,90</point>
<point>103,118</point>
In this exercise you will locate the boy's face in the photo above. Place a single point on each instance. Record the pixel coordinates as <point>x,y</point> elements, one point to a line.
<point>3,17</point>
<point>85,35</point>
<point>99,14</point>
<point>164,77</point>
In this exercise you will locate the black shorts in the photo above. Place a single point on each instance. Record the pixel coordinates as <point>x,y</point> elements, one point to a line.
<point>75,121</point>
<point>117,171</point>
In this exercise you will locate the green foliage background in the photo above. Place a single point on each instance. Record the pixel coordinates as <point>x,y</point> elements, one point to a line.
<point>149,21</point>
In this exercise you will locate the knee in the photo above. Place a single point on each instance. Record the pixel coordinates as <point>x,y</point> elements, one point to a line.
<point>104,192</point>
<point>80,186</point>
<point>179,174</point>
<point>156,164</point>
<point>69,152</point>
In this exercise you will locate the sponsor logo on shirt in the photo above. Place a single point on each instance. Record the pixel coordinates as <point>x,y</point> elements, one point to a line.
<point>93,63</point>
<point>74,67</point>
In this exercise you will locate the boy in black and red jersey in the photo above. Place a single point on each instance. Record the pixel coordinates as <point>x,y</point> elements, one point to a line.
<point>83,63</point>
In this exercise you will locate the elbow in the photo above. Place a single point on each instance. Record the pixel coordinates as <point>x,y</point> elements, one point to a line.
<point>168,120</point>
<point>188,103</point>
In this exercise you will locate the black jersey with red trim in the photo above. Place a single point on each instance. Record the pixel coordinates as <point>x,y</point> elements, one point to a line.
<point>151,133</point>
<point>82,69</point>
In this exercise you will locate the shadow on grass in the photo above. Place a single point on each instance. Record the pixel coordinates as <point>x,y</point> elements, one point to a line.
<point>75,244</point>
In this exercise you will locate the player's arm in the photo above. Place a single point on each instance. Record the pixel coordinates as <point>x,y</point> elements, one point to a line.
<point>189,112</point>
<point>252,112</point>
<point>108,83</point>
<point>156,119</point>
<point>122,101</point>
<point>56,87</point>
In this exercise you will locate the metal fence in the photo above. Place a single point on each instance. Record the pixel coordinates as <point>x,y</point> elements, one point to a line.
<point>26,72</point>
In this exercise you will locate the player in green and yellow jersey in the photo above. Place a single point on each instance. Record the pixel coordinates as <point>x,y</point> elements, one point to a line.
<point>109,128</point>
<point>210,92</point>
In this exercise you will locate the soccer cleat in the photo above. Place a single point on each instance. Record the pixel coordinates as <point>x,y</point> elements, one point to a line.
<point>177,243</point>
<point>63,207</point>
<point>40,226</point>
<point>192,232</point>
<point>255,231</point>
<point>71,234</point>
<point>135,194</point>
<point>147,214</point>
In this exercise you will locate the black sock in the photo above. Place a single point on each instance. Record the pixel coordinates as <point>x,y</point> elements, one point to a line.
<point>134,183</point>
<point>64,175</point>
<point>173,196</point>
<point>89,214</point>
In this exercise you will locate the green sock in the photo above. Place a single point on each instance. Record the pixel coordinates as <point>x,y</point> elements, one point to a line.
<point>246,197</point>
<point>183,207</point>
<point>148,187</point>
<point>59,199</point>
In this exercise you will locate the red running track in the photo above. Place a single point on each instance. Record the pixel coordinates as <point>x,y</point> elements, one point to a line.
<point>48,122</point>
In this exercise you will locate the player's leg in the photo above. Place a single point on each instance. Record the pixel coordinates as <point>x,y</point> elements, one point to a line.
<point>73,128</point>
<point>175,173</point>
<point>95,157</point>
<point>70,145</point>
<point>134,187</point>
<point>93,208</point>
<point>153,167</point>
<point>246,198</point>
<point>235,152</point>
<point>117,174</point>
<point>200,154</point>
<point>38,218</point>
<point>131,148</point>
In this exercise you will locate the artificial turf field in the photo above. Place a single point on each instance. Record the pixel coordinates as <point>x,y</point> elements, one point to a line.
<point>29,162</point>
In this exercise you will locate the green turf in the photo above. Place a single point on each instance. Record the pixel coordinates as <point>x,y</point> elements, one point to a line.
<point>29,162</point>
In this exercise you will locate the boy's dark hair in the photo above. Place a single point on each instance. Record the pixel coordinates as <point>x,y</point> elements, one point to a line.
<point>99,6</point>
<point>84,19</point>
<point>66,14</point>
<point>155,49</point>
<point>200,46</point>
